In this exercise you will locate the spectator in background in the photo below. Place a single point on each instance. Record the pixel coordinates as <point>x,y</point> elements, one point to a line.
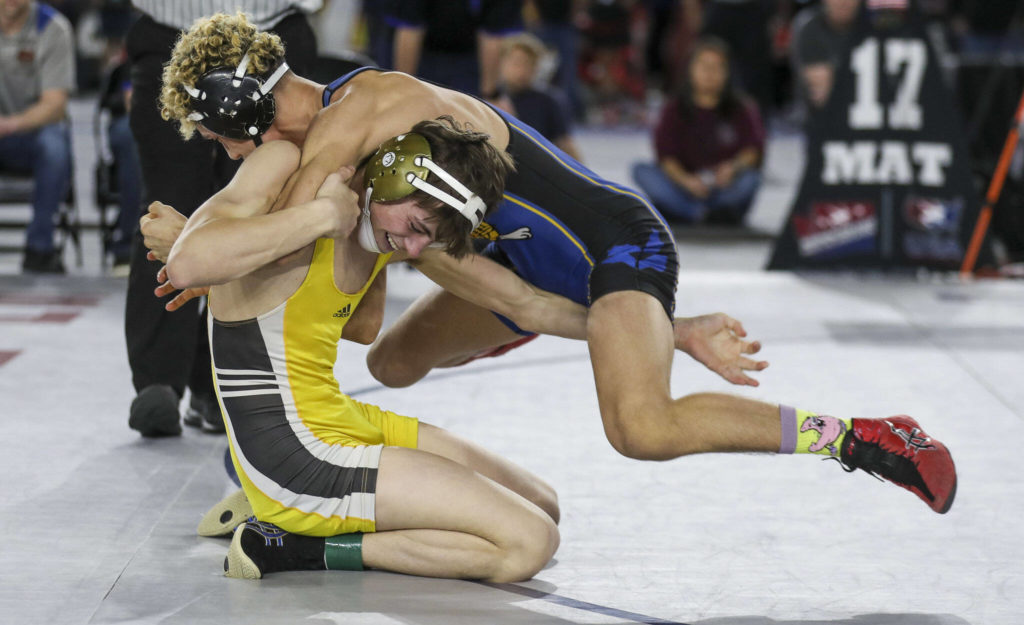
<point>533,104</point>
<point>168,351</point>
<point>37,74</point>
<point>744,25</point>
<point>709,143</point>
<point>611,68</point>
<point>455,43</point>
<point>820,35</point>
<point>116,99</point>
<point>989,26</point>
<point>552,22</point>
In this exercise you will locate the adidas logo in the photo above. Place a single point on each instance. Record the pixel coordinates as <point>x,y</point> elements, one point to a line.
<point>344,312</point>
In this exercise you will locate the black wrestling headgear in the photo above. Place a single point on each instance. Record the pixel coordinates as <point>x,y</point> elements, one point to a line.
<point>231,104</point>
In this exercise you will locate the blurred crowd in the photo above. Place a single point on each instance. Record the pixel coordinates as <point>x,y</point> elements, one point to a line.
<point>711,79</point>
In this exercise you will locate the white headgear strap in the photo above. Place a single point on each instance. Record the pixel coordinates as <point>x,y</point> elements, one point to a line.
<point>472,208</point>
<point>366,238</point>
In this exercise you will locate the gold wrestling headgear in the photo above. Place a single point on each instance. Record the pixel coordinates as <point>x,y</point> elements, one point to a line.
<point>398,168</point>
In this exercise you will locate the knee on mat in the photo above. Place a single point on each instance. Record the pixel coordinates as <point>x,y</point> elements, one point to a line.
<point>529,550</point>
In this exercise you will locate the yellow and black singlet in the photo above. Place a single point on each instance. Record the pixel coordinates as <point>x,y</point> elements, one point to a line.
<point>306,453</point>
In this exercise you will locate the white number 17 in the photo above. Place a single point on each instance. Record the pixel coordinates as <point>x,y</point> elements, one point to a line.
<point>905,112</point>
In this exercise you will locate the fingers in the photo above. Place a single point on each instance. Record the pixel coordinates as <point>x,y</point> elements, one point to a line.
<point>734,325</point>
<point>346,172</point>
<point>752,347</point>
<point>179,300</point>
<point>753,365</point>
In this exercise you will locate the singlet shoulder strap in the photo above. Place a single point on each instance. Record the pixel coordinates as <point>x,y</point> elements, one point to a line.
<point>338,82</point>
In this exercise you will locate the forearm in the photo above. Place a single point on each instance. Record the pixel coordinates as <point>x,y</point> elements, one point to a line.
<point>408,43</point>
<point>547,313</point>
<point>489,57</point>
<point>227,248</point>
<point>675,171</point>
<point>489,285</point>
<point>47,110</point>
<point>747,158</point>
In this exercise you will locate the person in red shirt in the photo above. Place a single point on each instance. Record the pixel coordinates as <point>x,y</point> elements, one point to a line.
<point>709,142</point>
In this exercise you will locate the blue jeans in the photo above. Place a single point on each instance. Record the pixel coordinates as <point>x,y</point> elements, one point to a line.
<point>129,185</point>
<point>678,204</point>
<point>46,154</point>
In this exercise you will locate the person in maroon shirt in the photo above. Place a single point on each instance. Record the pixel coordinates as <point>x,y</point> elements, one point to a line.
<point>709,142</point>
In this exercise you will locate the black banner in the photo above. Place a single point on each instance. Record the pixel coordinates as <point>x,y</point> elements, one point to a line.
<point>888,179</point>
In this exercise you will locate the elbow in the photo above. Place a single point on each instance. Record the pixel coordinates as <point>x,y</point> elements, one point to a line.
<point>181,272</point>
<point>363,333</point>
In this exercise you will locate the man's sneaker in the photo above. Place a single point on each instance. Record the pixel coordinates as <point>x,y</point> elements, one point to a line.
<point>258,548</point>
<point>204,412</point>
<point>42,262</point>
<point>225,515</point>
<point>898,450</point>
<point>493,352</point>
<point>154,412</point>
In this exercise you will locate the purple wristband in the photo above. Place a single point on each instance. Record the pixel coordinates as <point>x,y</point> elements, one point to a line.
<point>787,418</point>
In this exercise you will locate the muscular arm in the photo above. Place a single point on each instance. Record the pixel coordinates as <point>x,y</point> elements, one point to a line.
<point>489,285</point>
<point>716,341</point>
<point>233,233</point>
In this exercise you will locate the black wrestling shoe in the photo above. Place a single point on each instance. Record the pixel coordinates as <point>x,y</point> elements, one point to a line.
<point>154,412</point>
<point>258,548</point>
<point>204,412</point>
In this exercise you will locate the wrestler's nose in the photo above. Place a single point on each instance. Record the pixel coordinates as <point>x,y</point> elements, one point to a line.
<point>414,245</point>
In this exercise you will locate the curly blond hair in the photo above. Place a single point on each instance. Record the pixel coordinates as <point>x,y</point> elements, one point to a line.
<point>216,41</point>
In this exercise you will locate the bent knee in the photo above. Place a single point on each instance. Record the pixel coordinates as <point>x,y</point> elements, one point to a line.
<point>529,550</point>
<point>390,369</point>
<point>637,429</point>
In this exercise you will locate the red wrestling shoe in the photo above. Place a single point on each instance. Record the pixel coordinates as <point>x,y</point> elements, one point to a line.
<point>499,350</point>
<point>898,450</point>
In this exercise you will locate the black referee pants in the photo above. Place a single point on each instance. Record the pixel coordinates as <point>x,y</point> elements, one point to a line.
<point>171,347</point>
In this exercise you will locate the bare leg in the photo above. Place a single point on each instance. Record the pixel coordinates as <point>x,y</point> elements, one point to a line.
<point>438,518</point>
<point>437,330</point>
<point>510,475</point>
<point>631,349</point>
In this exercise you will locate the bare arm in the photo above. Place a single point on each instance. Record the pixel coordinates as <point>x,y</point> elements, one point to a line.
<point>685,179</point>
<point>408,45</point>
<point>487,284</point>
<point>489,55</point>
<point>717,341</point>
<point>234,232</point>
<point>51,107</point>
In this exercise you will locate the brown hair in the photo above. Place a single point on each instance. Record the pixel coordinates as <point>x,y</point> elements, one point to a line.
<point>216,41</point>
<point>530,44</point>
<point>470,157</point>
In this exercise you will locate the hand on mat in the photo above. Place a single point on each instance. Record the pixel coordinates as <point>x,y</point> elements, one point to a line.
<point>160,228</point>
<point>716,341</point>
<point>179,300</point>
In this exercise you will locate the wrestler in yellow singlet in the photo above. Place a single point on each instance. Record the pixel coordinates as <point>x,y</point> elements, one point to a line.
<point>306,453</point>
